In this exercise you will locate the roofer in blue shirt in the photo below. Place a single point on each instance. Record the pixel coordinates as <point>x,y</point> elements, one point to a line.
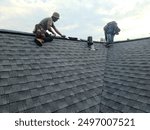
<point>110,30</point>
<point>46,30</point>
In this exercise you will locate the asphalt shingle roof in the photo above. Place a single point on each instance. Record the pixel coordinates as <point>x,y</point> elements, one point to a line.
<point>65,76</point>
<point>127,77</point>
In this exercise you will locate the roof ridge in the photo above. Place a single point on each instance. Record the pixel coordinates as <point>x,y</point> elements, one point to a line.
<point>137,39</point>
<point>16,32</point>
<point>72,38</point>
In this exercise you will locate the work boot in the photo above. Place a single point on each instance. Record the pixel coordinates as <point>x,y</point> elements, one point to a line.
<point>107,44</point>
<point>39,42</point>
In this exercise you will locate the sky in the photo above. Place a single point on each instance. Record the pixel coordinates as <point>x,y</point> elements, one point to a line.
<point>79,18</point>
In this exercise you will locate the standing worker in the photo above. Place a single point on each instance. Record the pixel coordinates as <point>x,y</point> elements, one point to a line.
<point>110,30</point>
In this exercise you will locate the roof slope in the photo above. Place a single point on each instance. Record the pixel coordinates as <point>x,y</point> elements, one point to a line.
<point>127,78</point>
<point>64,76</point>
<point>61,76</point>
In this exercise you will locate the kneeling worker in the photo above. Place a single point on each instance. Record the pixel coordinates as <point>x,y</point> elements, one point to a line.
<point>43,29</point>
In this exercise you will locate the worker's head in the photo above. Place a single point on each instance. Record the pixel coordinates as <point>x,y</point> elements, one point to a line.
<point>114,22</point>
<point>55,16</point>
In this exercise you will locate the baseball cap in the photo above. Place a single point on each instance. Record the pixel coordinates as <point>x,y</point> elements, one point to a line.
<point>56,15</point>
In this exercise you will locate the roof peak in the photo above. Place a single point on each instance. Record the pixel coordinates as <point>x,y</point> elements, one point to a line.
<point>69,38</point>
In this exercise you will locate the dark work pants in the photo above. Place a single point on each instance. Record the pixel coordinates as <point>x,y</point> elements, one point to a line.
<point>109,38</point>
<point>48,38</point>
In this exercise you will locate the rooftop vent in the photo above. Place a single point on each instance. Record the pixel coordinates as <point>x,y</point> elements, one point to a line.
<point>90,43</point>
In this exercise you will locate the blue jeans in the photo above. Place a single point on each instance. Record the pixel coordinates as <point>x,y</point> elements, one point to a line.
<point>110,38</point>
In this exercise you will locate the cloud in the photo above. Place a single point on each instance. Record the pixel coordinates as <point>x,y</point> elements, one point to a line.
<point>132,17</point>
<point>23,14</point>
<point>69,27</point>
<point>79,18</point>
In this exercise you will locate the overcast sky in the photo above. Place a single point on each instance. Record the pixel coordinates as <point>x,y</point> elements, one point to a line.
<point>79,18</point>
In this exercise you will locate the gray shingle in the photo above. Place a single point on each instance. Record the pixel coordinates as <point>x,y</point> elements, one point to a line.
<point>4,99</point>
<point>13,107</point>
<point>4,108</point>
<point>1,91</point>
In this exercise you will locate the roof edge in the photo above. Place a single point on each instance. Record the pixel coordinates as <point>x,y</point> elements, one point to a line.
<point>20,33</point>
<point>16,32</point>
<point>137,39</point>
<point>28,34</point>
<point>31,34</point>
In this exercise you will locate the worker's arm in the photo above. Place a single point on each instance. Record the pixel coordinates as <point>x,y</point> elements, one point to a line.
<point>49,27</point>
<point>57,31</point>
